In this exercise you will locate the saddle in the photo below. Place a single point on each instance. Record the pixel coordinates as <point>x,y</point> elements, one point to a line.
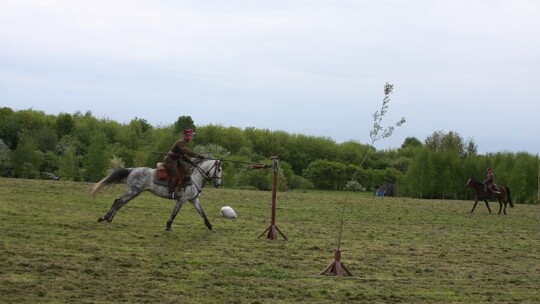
<point>162,176</point>
<point>492,191</point>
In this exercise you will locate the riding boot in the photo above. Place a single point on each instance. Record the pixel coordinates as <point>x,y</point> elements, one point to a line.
<point>173,192</point>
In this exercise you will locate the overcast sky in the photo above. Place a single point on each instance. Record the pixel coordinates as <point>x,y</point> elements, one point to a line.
<point>310,67</point>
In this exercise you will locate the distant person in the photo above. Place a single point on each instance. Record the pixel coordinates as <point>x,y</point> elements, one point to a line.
<point>490,182</point>
<point>180,154</point>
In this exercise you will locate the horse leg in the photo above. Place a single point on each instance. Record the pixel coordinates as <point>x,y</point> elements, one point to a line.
<point>175,211</point>
<point>500,205</point>
<point>474,206</point>
<point>108,214</point>
<point>117,204</point>
<point>195,202</point>
<point>505,198</point>
<point>487,205</point>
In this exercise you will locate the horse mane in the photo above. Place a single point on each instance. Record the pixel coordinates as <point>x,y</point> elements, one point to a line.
<point>198,160</point>
<point>475,182</point>
<point>474,179</point>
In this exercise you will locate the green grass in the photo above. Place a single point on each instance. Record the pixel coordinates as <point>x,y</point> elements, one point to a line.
<point>400,250</point>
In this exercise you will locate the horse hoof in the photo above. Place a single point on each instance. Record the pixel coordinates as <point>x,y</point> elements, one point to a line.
<point>101,219</point>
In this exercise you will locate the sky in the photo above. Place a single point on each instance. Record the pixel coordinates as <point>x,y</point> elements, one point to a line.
<point>313,67</point>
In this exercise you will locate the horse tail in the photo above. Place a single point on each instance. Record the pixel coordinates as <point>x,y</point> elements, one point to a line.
<point>115,177</point>
<point>509,198</point>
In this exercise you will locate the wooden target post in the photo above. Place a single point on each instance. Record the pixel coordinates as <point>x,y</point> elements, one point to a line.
<point>336,268</point>
<point>272,230</point>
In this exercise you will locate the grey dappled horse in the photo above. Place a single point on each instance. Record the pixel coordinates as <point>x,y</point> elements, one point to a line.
<point>141,179</point>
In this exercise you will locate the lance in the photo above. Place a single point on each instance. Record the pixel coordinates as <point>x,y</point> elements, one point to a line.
<point>253,165</point>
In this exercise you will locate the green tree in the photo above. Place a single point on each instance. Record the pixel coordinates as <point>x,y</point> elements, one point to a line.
<point>440,141</point>
<point>326,174</point>
<point>254,179</point>
<point>411,142</point>
<point>183,123</point>
<point>10,128</point>
<point>232,139</point>
<point>351,152</point>
<point>97,160</point>
<point>46,139</point>
<point>5,164</point>
<point>471,148</point>
<point>25,159</point>
<point>69,168</point>
<point>421,174</point>
<point>50,162</point>
<point>447,175</point>
<point>64,124</point>
<point>85,126</point>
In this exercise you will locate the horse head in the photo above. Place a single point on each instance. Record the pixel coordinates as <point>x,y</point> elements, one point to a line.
<point>473,183</point>
<point>212,169</point>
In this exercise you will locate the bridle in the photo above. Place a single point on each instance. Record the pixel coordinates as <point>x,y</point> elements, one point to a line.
<point>211,174</point>
<point>476,185</point>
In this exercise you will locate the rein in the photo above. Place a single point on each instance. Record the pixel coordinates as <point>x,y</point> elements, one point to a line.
<point>254,165</point>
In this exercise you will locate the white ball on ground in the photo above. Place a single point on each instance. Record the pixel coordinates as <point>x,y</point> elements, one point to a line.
<point>228,212</point>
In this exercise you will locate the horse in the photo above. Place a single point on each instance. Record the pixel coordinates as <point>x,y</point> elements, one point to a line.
<point>141,179</point>
<point>503,197</point>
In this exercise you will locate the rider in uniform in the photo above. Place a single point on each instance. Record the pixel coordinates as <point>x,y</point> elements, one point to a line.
<point>180,154</point>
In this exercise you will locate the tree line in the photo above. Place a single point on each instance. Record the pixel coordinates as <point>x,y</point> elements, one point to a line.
<point>81,147</point>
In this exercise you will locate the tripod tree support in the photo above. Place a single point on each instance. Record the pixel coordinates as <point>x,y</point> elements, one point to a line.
<point>336,268</point>
<point>273,230</point>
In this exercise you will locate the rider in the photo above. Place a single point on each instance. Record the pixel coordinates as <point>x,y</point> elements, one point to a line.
<point>489,182</point>
<point>180,154</point>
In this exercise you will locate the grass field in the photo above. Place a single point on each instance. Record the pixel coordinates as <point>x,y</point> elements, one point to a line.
<point>400,250</point>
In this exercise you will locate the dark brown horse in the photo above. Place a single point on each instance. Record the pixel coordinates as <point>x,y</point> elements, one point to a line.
<point>503,197</point>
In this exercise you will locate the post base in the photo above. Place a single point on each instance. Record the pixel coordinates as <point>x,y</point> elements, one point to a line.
<point>336,268</point>
<point>272,232</point>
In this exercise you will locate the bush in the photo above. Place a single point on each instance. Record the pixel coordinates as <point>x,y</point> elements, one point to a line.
<point>28,170</point>
<point>299,182</point>
<point>254,178</point>
<point>354,186</point>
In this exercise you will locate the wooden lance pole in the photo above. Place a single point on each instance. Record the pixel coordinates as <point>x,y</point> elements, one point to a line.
<point>272,230</point>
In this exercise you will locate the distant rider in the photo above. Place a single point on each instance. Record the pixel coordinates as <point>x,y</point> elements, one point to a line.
<point>490,182</point>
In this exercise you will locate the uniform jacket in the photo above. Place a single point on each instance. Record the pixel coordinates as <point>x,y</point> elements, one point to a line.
<point>489,178</point>
<point>180,150</point>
